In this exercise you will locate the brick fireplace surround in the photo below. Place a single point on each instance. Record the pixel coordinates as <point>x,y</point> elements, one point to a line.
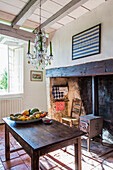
<point>92,83</point>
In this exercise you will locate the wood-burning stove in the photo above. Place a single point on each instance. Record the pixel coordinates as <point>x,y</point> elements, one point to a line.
<point>92,125</point>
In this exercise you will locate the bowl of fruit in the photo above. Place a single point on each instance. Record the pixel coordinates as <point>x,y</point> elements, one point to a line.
<point>28,116</point>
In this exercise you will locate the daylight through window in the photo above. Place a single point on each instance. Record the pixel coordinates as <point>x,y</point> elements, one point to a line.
<point>11,69</point>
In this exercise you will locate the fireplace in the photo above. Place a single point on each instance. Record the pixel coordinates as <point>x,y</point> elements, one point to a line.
<point>92,83</point>
<point>75,90</point>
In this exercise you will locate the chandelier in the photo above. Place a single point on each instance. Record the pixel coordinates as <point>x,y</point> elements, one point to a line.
<point>40,57</point>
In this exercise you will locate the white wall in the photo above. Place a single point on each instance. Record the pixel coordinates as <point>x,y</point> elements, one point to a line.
<point>34,91</point>
<point>62,40</point>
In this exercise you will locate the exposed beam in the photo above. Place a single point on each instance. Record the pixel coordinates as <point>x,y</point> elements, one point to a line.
<point>104,67</point>
<point>16,33</point>
<point>24,14</point>
<point>62,12</point>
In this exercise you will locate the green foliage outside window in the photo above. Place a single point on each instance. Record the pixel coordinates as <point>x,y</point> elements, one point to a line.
<point>3,82</point>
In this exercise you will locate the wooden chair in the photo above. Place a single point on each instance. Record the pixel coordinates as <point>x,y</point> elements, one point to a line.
<point>73,119</point>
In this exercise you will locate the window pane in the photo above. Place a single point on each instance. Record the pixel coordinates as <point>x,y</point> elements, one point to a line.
<point>11,65</point>
<point>3,68</point>
<point>16,70</point>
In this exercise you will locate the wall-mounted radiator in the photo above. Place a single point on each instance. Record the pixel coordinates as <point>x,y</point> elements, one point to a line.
<point>8,106</point>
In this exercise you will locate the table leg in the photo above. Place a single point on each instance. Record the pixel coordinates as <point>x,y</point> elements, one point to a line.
<point>77,150</point>
<point>35,161</point>
<point>7,143</point>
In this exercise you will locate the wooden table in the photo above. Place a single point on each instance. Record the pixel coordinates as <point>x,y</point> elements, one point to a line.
<point>38,139</point>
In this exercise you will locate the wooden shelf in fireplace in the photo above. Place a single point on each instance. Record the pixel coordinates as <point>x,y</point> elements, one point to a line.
<point>64,100</point>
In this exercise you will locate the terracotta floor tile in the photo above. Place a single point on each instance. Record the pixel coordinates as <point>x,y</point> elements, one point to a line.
<point>56,168</point>
<point>64,157</point>
<point>103,167</point>
<point>21,152</point>
<point>2,152</point>
<point>2,168</point>
<point>12,156</point>
<point>69,149</point>
<point>2,138</point>
<point>2,145</point>
<point>2,133</point>
<point>108,163</point>
<point>2,128</point>
<point>19,167</point>
<point>26,159</point>
<point>13,141</point>
<point>85,166</point>
<point>1,164</point>
<point>13,162</point>
<point>47,163</point>
<point>16,146</point>
<point>96,149</point>
<point>28,166</point>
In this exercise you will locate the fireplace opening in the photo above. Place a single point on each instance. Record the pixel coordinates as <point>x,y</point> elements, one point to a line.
<point>105,105</point>
<point>97,98</point>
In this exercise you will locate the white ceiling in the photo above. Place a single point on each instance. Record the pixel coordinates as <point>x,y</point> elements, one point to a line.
<point>78,12</point>
<point>6,7</point>
<point>51,6</point>
<point>56,26</point>
<point>91,4</point>
<point>65,20</point>
<point>18,4</point>
<point>62,2</point>
<point>10,8</point>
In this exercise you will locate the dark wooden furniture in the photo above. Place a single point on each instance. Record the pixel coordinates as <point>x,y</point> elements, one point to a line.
<point>75,113</point>
<point>38,139</point>
<point>92,125</point>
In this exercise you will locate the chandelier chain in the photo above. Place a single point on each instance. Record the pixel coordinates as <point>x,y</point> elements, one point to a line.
<point>40,15</point>
<point>40,57</point>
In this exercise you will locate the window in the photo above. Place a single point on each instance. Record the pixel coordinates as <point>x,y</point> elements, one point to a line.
<point>11,69</point>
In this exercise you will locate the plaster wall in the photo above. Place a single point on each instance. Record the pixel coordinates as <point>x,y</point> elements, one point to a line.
<point>34,91</point>
<point>62,39</point>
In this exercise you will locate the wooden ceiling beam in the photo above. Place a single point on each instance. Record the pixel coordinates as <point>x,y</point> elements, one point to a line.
<point>16,33</point>
<point>72,5</point>
<point>26,12</point>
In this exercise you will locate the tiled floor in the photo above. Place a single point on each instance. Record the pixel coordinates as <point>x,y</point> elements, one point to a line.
<point>100,157</point>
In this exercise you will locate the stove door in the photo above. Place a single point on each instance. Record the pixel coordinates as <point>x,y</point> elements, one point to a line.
<point>84,126</point>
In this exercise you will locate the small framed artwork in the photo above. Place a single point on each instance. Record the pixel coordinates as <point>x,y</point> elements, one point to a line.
<point>86,43</point>
<point>36,75</point>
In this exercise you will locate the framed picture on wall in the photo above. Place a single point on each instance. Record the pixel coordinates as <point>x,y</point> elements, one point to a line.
<point>36,75</point>
<point>86,43</point>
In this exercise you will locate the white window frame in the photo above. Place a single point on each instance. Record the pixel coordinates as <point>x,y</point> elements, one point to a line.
<point>9,95</point>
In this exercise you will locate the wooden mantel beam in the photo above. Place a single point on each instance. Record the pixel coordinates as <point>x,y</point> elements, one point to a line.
<point>25,13</point>
<point>16,33</point>
<point>104,67</point>
<point>62,13</point>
